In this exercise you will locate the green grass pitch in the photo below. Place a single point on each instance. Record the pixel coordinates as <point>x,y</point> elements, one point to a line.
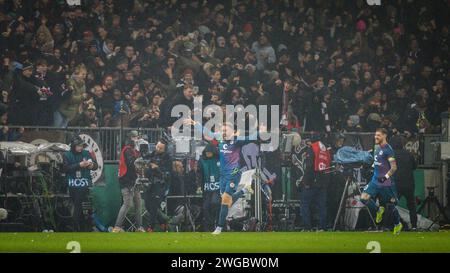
<point>232,242</point>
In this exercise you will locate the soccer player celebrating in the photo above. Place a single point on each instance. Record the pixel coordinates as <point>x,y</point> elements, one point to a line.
<point>382,184</point>
<point>230,169</point>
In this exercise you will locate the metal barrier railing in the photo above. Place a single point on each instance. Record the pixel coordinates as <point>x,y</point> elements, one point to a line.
<point>110,138</point>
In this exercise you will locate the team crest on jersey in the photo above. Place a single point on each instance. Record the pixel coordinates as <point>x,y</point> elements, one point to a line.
<point>232,185</point>
<point>380,153</point>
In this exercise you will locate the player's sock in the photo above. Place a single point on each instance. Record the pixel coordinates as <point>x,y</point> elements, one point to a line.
<point>224,208</point>
<point>370,204</point>
<point>222,216</point>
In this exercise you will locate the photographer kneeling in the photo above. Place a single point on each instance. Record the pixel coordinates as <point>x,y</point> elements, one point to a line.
<point>159,174</point>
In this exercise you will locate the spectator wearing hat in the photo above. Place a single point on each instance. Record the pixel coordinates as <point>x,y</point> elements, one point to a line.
<point>87,118</point>
<point>25,97</point>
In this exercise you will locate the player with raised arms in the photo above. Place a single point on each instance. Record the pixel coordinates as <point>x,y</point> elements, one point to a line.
<point>229,146</point>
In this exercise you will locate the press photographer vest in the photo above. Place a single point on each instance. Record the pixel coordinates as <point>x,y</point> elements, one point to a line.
<point>123,169</point>
<point>210,174</point>
<point>80,178</point>
<point>322,156</point>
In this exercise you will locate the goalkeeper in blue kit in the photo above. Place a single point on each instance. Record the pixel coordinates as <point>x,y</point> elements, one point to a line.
<point>382,185</point>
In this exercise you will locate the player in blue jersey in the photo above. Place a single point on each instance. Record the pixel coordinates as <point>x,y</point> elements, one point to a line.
<point>230,168</point>
<point>382,185</point>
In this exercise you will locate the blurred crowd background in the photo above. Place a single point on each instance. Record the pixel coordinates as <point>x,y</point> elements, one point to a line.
<point>331,66</point>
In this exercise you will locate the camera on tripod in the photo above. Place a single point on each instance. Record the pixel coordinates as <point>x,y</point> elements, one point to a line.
<point>143,164</point>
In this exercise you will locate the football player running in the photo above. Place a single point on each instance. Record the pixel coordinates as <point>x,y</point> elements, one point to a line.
<point>382,185</point>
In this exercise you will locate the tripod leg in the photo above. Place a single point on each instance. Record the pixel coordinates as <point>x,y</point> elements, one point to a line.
<point>191,220</point>
<point>188,214</point>
<point>431,201</point>
<point>422,206</point>
<point>441,208</point>
<point>344,195</point>
<point>367,208</point>
<point>427,203</point>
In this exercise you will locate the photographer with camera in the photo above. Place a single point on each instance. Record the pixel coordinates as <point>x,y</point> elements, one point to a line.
<point>78,165</point>
<point>127,183</point>
<point>303,172</point>
<point>159,173</point>
<point>311,161</point>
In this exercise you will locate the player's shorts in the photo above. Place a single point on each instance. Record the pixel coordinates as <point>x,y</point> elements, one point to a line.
<point>384,193</point>
<point>229,182</point>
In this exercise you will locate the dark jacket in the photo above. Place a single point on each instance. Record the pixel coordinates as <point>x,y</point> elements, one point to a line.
<point>164,170</point>
<point>181,183</point>
<point>208,170</point>
<point>82,120</point>
<point>9,135</point>
<point>76,176</point>
<point>25,100</point>
<point>404,176</point>
<point>128,156</point>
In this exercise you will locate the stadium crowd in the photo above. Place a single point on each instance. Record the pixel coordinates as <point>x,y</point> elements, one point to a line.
<point>331,65</point>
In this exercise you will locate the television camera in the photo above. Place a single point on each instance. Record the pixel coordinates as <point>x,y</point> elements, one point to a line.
<point>145,176</point>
